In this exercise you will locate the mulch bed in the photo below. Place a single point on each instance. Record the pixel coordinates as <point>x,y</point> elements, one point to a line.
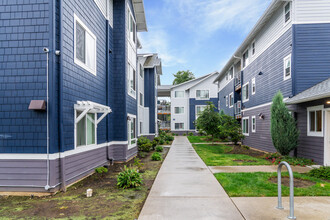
<point>298,183</point>
<point>237,149</point>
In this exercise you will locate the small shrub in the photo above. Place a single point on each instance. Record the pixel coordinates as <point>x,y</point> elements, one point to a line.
<point>138,164</point>
<point>167,142</point>
<point>190,134</point>
<point>277,158</point>
<point>156,156</point>
<point>145,147</point>
<point>159,149</point>
<point>157,139</point>
<point>129,178</point>
<point>322,173</point>
<point>154,144</point>
<point>184,134</point>
<point>246,147</point>
<point>101,170</point>
<point>169,137</point>
<point>142,154</point>
<point>143,140</point>
<point>161,142</point>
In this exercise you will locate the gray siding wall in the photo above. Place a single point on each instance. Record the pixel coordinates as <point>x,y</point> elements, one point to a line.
<point>225,91</point>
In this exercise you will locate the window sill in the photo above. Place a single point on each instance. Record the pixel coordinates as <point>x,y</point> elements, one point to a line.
<point>132,95</point>
<point>245,134</point>
<point>315,134</point>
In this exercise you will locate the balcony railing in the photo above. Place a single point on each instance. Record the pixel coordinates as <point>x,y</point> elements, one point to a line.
<point>238,81</point>
<point>164,109</point>
<point>238,110</point>
<point>165,125</point>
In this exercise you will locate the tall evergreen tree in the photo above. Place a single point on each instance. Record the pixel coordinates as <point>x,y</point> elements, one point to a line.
<point>283,126</point>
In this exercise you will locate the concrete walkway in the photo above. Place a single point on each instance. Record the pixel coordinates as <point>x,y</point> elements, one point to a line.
<point>186,189</point>
<point>248,169</point>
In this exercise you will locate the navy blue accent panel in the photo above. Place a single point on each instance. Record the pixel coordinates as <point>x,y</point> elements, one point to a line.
<point>118,117</point>
<point>312,55</point>
<point>192,109</point>
<point>229,88</point>
<point>271,64</point>
<point>149,97</point>
<point>23,74</point>
<point>78,83</point>
<point>110,83</point>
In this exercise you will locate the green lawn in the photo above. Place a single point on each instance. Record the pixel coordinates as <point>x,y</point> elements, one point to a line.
<point>258,185</point>
<point>215,155</point>
<point>203,139</point>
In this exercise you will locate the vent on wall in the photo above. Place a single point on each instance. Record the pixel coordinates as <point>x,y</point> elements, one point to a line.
<point>38,105</point>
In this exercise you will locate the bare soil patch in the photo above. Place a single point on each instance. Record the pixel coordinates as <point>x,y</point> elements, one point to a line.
<point>298,183</point>
<point>238,149</point>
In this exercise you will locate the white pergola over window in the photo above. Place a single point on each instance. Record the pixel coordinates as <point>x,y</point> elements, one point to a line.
<point>86,121</point>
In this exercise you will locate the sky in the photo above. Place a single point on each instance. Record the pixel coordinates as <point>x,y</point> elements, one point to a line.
<point>197,35</point>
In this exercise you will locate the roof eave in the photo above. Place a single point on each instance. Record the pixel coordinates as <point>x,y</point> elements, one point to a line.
<point>307,99</point>
<point>141,22</point>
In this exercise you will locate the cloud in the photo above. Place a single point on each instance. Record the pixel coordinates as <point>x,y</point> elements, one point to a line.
<point>208,16</point>
<point>158,41</point>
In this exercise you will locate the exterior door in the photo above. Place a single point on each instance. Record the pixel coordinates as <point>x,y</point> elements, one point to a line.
<point>327,139</point>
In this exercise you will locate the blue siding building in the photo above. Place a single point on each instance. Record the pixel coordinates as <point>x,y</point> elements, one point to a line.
<point>287,50</point>
<point>68,97</point>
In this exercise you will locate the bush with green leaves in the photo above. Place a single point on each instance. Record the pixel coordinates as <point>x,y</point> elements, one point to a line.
<point>101,170</point>
<point>208,121</point>
<point>168,137</point>
<point>157,139</point>
<point>322,173</point>
<point>230,127</point>
<point>159,149</point>
<point>138,164</point>
<point>145,147</point>
<point>156,156</point>
<point>143,140</point>
<point>277,158</point>
<point>190,134</point>
<point>129,178</point>
<point>283,127</point>
<point>161,142</point>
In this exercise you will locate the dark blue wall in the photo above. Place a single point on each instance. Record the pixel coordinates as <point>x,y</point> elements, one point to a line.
<point>311,44</point>
<point>192,109</point>
<point>270,63</point>
<point>149,96</point>
<point>24,31</point>
<point>229,88</point>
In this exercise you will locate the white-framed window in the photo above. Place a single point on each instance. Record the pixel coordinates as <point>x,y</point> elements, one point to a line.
<point>245,58</point>
<point>141,99</point>
<point>199,109</point>
<point>202,94</point>
<point>178,110</point>
<point>141,71</point>
<point>245,92</point>
<point>131,26</point>
<point>131,130</point>
<point>287,13</point>
<point>227,102</point>
<point>253,85</point>
<point>287,67</point>
<point>231,100</point>
<point>254,124</point>
<point>315,121</point>
<point>231,73</point>
<point>85,129</point>
<point>179,94</point>
<point>179,126</point>
<point>253,48</point>
<point>84,46</point>
<point>131,81</point>
<point>245,126</point>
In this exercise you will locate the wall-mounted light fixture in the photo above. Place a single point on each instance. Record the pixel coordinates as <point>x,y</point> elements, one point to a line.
<point>261,116</point>
<point>260,73</point>
<point>328,102</point>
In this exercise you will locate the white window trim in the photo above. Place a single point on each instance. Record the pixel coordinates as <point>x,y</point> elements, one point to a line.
<point>248,59</point>
<point>228,73</point>
<point>178,113</point>
<point>76,60</point>
<point>315,133</point>
<point>253,54</point>
<point>202,90</point>
<point>248,119</point>
<point>227,101</point>
<point>129,78</point>
<point>255,124</point>
<point>75,130</point>
<point>141,68</point>
<point>284,63</point>
<point>128,36</point>
<point>179,97</point>
<point>287,22</point>
<point>245,100</point>
<point>140,99</point>
<point>253,83</point>
<point>128,129</point>
<point>231,95</point>
<point>179,123</point>
<point>196,115</point>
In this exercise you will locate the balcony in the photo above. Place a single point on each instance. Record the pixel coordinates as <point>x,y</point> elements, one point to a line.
<point>165,125</point>
<point>164,109</point>
<point>238,81</point>
<point>238,110</point>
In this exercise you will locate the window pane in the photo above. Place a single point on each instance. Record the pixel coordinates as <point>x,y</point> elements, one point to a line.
<point>244,122</point>
<point>312,121</point>
<point>80,43</point>
<point>247,92</point>
<point>90,129</point>
<point>90,53</point>
<point>81,131</point>
<point>179,94</point>
<point>198,93</point>
<point>319,121</point>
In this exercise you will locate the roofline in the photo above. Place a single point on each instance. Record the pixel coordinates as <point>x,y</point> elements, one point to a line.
<point>209,75</point>
<point>308,99</point>
<point>144,21</point>
<point>257,27</point>
<point>199,78</point>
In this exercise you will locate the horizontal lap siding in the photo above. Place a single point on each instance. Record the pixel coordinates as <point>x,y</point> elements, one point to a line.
<point>262,139</point>
<point>225,91</point>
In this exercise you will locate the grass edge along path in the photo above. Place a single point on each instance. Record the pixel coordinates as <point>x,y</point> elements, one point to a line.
<point>258,185</point>
<point>217,155</point>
